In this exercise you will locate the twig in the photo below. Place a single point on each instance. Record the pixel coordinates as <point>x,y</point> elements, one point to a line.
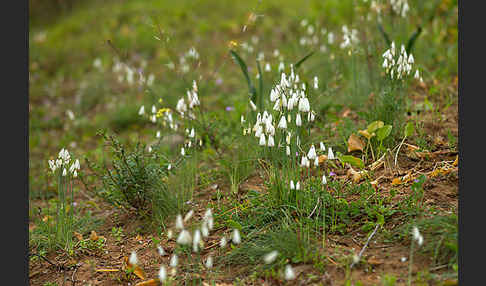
<point>314,208</point>
<point>74,273</point>
<point>366,244</point>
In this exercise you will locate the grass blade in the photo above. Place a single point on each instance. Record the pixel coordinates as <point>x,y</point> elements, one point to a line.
<point>384,34</point>
<point>244,69</point>
<point>260,86</point>
<point>297,64</point>
<point>412,39</point>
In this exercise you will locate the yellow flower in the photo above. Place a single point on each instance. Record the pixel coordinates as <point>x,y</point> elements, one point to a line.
<point>232,44</point>
<point>161,111</point>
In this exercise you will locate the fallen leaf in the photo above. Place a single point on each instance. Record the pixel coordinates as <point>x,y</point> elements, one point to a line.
<point>366,134</point>
<point>93,236</point>
<point>136,269</point>
<point>322,158</point>
<point>456,161</point>
<point>374,261</point>
<point>78,235</point>
<point>355,175</point>
<point>346,112</point>
<point>355,143</point>
<point>138,237</point>
<point>151,282</point>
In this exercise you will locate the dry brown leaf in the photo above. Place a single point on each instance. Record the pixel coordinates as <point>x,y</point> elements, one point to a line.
<point>366,134</point>
<point>78,235</point>
<point>355,175</point>
<point>355,143</point>
<point>139,272</point>
<point>346,112</point>
<point>93,236</point>
<point>456,162</point>
<point>321,159</point>
<point>151,282</point>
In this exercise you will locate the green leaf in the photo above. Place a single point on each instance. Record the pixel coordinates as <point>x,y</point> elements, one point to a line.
<point>373,126</point>
<point>297,64</point>
<point>353,161</point>
<point>383,132</point>
<point>412,39</point>
<point>385,35</point>
<point>244,69</point>
<point>233,224</point>
<point>409,129</point>
<point>260,86</point>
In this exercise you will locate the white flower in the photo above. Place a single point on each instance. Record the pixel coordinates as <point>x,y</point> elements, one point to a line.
<point>417,75</point>
<point>417,236</point>
<point>154,109</point>
<point>179,222</point>
<point>330,154</point>
<point>271,141</point>
<point>169,167</point>
<point>304,104</point>
<point>196,240</point>
<point>188,215</point>
<point>133,258</point>
<point>149,149</point>
<point>222,242</point>
<point>142,110</point>
<point>287,149</point>
<point>191,135</point>
<point>324,180</point>
<point>236,238</point>
<point>242,119</point>
<point>204,230</point>
<point>262,142</point>
<point>282,124</point>
<point>153,118</point>
<point>292,186</point>
<point>322,147</point>
<point>267,67</point>
<point>297,186</point>
<point>316,82</point>
<point>270,257</point>
<point>312,152</point>
<point>64,173</point>
<point>184,237</point>
<point>173,260</point>
<point>70,114</point>
<point>316,162</point>
<point>281,67</point>
<point>161,250</point>
<point>209,262</point>
<point>289,272</point>
<point>52,165</point>
<point>304,162</point>
<point>75,174</point>
<point>210,223</point>
<point>298,120</point>
<point>253,106</point>
<point>162,273</point>
<point>183,152</point>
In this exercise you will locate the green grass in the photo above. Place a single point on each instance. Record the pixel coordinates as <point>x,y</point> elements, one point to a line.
<point>63,76</point>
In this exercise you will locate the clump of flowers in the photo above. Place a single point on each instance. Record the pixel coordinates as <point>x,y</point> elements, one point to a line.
<point>400,7</point>
<point>65,168</point>
<point>290,115</point>
<point>350,37</point>
<point>398,65</point>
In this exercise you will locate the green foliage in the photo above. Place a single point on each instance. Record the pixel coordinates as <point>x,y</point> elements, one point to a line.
<point>137,180</point>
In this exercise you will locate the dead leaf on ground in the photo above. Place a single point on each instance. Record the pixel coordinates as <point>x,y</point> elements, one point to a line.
<point>456,162</point>
<point>321,159</point>
<point>136,269</point>
<point>78,235</point>
<point>94,236</point>
<point>366,134</point>
<point>355,143</point>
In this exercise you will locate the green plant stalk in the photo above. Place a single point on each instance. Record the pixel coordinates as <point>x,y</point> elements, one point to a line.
<point>410,264</point>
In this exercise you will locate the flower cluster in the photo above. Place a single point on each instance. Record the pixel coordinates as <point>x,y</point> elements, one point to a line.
<point>312,37</point>
<point>350,37</point>
<point>400,7</point>
<point>290,104</point>
<point>127,73</point>
<point>398,65</point>
<point>62,162</point>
